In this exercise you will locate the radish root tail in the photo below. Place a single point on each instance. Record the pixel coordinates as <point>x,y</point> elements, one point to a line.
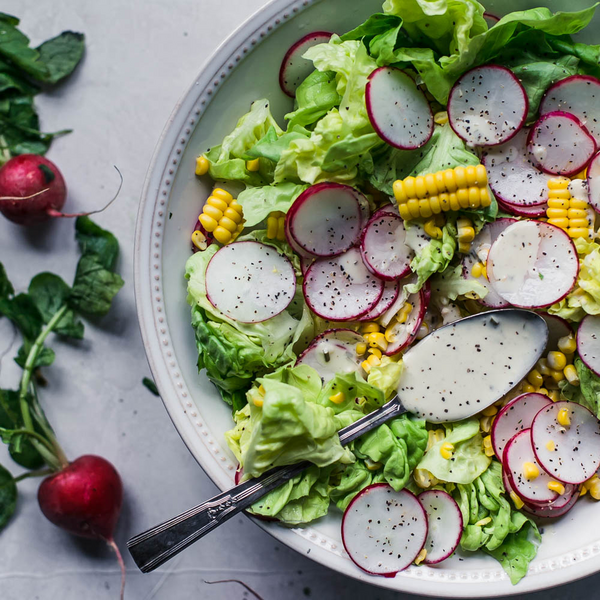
<point>114,546</point>
<point>55,213</point>
<point>24,197</point>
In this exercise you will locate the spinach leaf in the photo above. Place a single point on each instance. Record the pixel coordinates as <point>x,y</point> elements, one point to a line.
<point>8,496</point>
<point>44,359</point>
<point>95,283</point>
<point>14,45</point>
<point>6,288</point>
<point>61,55</point>
<point>23,312</point>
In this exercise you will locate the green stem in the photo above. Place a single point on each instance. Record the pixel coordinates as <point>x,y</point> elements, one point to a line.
<point>40,473</point>
<point>36,436</point>
<point>56,457</point>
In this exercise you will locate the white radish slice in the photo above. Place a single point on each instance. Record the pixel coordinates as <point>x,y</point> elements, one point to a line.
<point>519,451</point>
<point>531,212</point>
<point>383,247</point>
<point>557,328</point>
<point>445,525</point>
<point>487,106</point>
<point>593,179</point>
<point>401,335</point>
<point>588,342</point>
<point>341,288</point>
<point>391,291</point>
<point>305,263</point>
<point>512,176</point>
<point>383,531</point>
<point>480,249</point>
<point>515,417</point>
<point>325,219</point>
<point>306,258</point>
<point>532,264</point>
<point>332,353</point>
<point>250,282</point>
<point>578,95</point>
<point>295,69</point>
<point>388,209</point>
<point>398,109</point>
<point>490,19</point>
<point>569,453</point>
<point>560,145</point>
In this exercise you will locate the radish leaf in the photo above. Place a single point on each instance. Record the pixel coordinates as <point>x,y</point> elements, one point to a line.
<point>8,496</point>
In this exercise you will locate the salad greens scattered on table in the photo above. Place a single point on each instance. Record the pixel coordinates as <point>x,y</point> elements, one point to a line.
<point>284,411</point>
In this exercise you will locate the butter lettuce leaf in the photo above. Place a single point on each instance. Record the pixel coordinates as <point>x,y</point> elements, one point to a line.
<point>587,393</point>
<point>315,97</point>
<point>469,460</point>
<point>258,202</point>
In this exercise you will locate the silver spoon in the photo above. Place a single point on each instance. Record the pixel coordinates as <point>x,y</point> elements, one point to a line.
<point>452,374</point>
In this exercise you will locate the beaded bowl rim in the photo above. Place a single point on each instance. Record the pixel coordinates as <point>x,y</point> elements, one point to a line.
<point>195,433</point>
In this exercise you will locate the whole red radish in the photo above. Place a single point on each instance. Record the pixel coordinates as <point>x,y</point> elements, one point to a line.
<point>32,189</point>
<point>85,499</point>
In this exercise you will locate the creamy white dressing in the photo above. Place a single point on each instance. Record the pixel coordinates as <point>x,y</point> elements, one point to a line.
<point>462,368</point>
<point>416,238</point>
<point>332,357</point>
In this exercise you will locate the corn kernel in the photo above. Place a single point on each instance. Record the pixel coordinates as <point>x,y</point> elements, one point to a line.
<point>432,230</point>
<point>199,240</point>
<point>535,378</point>
<point>376,352</point>
<point>390,334</point>
<point>228,224</point>
<point>571,375</point>
<point>272,223</point>
<point>460,175</point>
<point>557,213</point>
<point>557,487</point>
<point>440,118</point>
<point>554,395</point>
<point>420,187</point>
<point>423,331</point>
<point>477,270</point>
<point>486,199</point>
<point>531,471</point>
<point>223,194</point>
<point>202,166</point>
<point>217,203</point>
<point>550,446</point>
<point>208,222</point>
<point>563,418</point>
<point>434,204</point>
<point>257,401</point>
<point>261,389</point>
<point>485,424</point>
<point>236,206</point>
<point>567,344</point>
<point>447,451</point>
<point>425,209</point>
<point>361,348</point>
<point>542,391</point>
<point>222,235</point>
<point>371,327</point>
<point>527,388</point>
<point>409,187</point>
<point>559,204</point>
<point>562,223</point>
<point>372,465</point>
<point>444,200</point>
<point>373,360</point>
<point>519,504</point>
<point>212,211</point>
<point>403,314</point>
<point>450,180</point>
<point>424,479</point>
<point>542,366</point>
<point>578,204</point>
<point>483,522</point>
<point>556,376</point>
<point>490,411</point>
<point>462,195</point>
<point>253,165</point>
<point>558,183</point>
<point>281,229</point>
<point>474,197</point>
<point>430,184</point>
<point>399,192</point>
<point>421,557</point>
<point>404,212</point>
<point>471,175</point>
<point>338,398</point>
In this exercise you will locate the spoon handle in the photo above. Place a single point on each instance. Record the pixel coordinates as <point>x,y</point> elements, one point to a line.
<point>161,543</point>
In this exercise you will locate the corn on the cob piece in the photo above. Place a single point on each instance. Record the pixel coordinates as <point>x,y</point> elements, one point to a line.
<point>222,216</point>
<point>461,188</point>
<point>466,234</point>
<point>276,226</point>
<point>572,214</point>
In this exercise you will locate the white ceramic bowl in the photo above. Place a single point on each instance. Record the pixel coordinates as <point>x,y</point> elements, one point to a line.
<point>245,68</point>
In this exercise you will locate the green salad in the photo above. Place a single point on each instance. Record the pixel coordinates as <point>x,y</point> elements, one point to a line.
<point>436,162</point>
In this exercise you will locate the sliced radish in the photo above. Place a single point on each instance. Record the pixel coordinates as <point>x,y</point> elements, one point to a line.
<point>398,109</point>
<point>588,342</point>
<point>308,258</point>
<point>558,508</point>
<point>480,249</point>
<point>341,288</point>
<point>533,264</point>
<point>332,353</point>
<point>295,69</point>
<point>490,19</point>
<point>305,263</point>
<point>383,248</point>
<point>487,106</point>
<point>325,219</point>
<point>513,418</point>
<point>530,212</point>
<point>560,145</point>
<point>593,179</point>
<point>383,531</point>
<point>388,209</point>
<point>512,176</point>
<point>391,291</point>
<point>578,95</point>
<point>571,453</point>
<point>445,525</point>
<point>250,282</point>
<point>402,335</point>
<point>557,328</point>
<point>519,451</point>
